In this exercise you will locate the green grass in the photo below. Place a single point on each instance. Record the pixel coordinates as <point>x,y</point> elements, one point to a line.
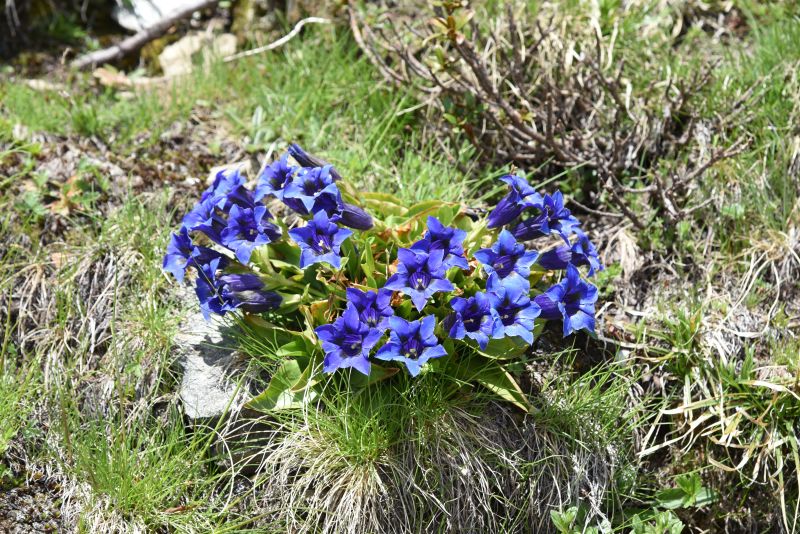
<point>318,92</point>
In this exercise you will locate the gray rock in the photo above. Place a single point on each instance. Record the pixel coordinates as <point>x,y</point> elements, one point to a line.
<point>213,381</point>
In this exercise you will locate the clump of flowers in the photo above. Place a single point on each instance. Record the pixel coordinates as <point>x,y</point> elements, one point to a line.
<point>378,286</point>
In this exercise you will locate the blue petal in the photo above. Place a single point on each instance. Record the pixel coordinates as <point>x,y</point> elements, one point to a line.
<point>457,330</point>
<point>407,256</point>
<point>332,362</point>
<point>437,351</point>
<point>486,256</point>
<point>360,364</point>
<point>441,285</point>
<point>372,337</point>
<point>399,326</point>
<point>396,282</point>
<point>351,318</point>
<point>388,352</point>
<point>419,298</point>
<point>459,304</point>
<point>427,326</point>
<point>505,242</point>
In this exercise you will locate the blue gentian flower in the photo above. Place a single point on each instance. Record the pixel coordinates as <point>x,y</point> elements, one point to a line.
<point>411,342</point>
<point>374,307</point>
<point>312,190</point>
<point>205,217</point>
<point>246,292</point>
<point>571,300</point>
<point>419,275</point>
<point>553,219</point>
<point>220,294</point>
<point>582,252</point>
<point>446,238</point>
<point>207,290</point>
<point>347,342</point>
<point>225,181</point>
<point>179,250</point>
<point>228,189</point>
<point>475,318</point>
<point>274,179</point>
<point>521,197</point>
<point>320,241</point>
<point>307,160</point>
<point>507,257</point>
<point>510,299</point>
<point>354,217</point>
<point>351,216</point>
<point>247,229</point>
<point>182,254</point>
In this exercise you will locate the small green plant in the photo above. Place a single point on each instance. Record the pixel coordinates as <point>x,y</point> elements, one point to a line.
<point>571,521</point>
<point>689,492</point>
<point>665,522</point>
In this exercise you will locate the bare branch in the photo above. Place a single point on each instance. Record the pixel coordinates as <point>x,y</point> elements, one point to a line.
<point>138,40</point>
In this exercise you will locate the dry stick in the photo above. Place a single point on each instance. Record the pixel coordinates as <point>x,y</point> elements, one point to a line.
<point>138,40</point>
<point>280,42</point>
<point>283,40</point>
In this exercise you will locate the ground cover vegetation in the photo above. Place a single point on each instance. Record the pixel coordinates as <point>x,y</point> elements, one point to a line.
<point>670,129</point>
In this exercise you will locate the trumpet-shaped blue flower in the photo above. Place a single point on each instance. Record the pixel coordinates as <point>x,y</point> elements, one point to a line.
<point>474,318</point>
<point>182,254</point>
<point>274,179</point>
<point>354,217</point>
<point>207,290</point>
<point>513,305</point>
<point>411,342</point>
<point>320,241</point>
<point>248,228</point>
<point>307,160</point>
<point>328,199</point>
<point>446,238</point>
<point>313,190</point>
<point>582,252</point>
<point>374,307</point>
<point>246,292</point>
<point>507,258</point>
<point>205,217</point>
<point>571,300</point>
<point>520,197</point>
<point>554,218</point>
<point>347,342</point>
<point>419,275</point>
<point>228,189</point>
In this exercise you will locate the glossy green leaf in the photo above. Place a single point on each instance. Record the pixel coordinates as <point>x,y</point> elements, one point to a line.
<point>491,375</point>
<point>279,394</point>
<point>504,349</point>
<point>377,374</point>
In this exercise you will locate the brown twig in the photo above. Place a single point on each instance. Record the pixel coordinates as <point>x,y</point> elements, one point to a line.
<point>138,40</point>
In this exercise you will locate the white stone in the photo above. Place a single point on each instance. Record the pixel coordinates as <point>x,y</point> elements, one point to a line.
<point>213,382</point>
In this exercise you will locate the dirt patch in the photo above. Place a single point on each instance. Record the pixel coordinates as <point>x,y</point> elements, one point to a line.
<point>32,507</point>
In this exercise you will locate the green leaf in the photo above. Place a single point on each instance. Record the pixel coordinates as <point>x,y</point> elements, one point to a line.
<point>428,207</point>
<point>504,349</point>
<point>279,394</point>
<point>377,374</point>
<point>383,204</point>
<point>367,259</point>
<point>491,375</point>
<point>269,331</point>
<point>293,348</point>
<point>563,520</point>
<point>671,499</point>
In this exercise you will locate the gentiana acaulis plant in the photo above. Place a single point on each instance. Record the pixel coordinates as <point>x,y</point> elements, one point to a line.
<point>377,286</point>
